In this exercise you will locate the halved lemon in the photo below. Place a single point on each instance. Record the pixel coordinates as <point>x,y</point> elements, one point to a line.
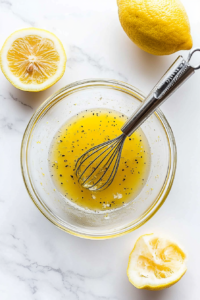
<point>155,263</point>
<point>33,59</point>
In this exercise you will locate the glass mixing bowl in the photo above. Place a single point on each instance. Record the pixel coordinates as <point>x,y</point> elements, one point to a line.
<point>47,120</point>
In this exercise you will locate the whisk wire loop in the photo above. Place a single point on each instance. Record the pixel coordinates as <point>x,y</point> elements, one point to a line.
<point>110,150</point>
<point>114,170</point>
<point>107,165</point>
<point>86,155</point>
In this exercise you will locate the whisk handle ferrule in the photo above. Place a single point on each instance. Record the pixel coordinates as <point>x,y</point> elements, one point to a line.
<point>175,76</point>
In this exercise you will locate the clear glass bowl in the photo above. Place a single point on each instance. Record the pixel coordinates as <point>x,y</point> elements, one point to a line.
<point>44,124</point>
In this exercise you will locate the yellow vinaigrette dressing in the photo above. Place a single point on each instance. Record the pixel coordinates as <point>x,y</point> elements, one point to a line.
<point>79,134</point>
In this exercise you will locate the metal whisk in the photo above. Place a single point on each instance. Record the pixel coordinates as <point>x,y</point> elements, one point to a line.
<point>96,168</point>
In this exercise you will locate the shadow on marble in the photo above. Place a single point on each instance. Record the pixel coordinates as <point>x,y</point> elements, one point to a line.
<point>33,100</point>
<point>151,66</point>
<point>141,63</point>
<point>151,295</point>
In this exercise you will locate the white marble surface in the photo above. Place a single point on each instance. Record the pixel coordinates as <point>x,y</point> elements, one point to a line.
<point>37,260</point>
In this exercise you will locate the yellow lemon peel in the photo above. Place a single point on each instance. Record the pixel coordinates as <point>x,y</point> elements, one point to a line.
<point>156,26</point>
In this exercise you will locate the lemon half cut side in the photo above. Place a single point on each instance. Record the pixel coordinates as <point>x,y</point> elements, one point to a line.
<point>155,263</point>
<point>33,59</point>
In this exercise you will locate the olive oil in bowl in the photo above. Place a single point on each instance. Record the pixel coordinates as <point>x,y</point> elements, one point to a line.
<point>84,131</point>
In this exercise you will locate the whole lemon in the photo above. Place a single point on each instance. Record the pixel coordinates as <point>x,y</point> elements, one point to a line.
<point>159,27</point>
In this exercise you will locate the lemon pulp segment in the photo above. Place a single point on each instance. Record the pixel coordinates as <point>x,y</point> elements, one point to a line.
<point>33,59</point>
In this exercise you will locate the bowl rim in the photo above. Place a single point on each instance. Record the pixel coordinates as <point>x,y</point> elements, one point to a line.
<point>59,95</point>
